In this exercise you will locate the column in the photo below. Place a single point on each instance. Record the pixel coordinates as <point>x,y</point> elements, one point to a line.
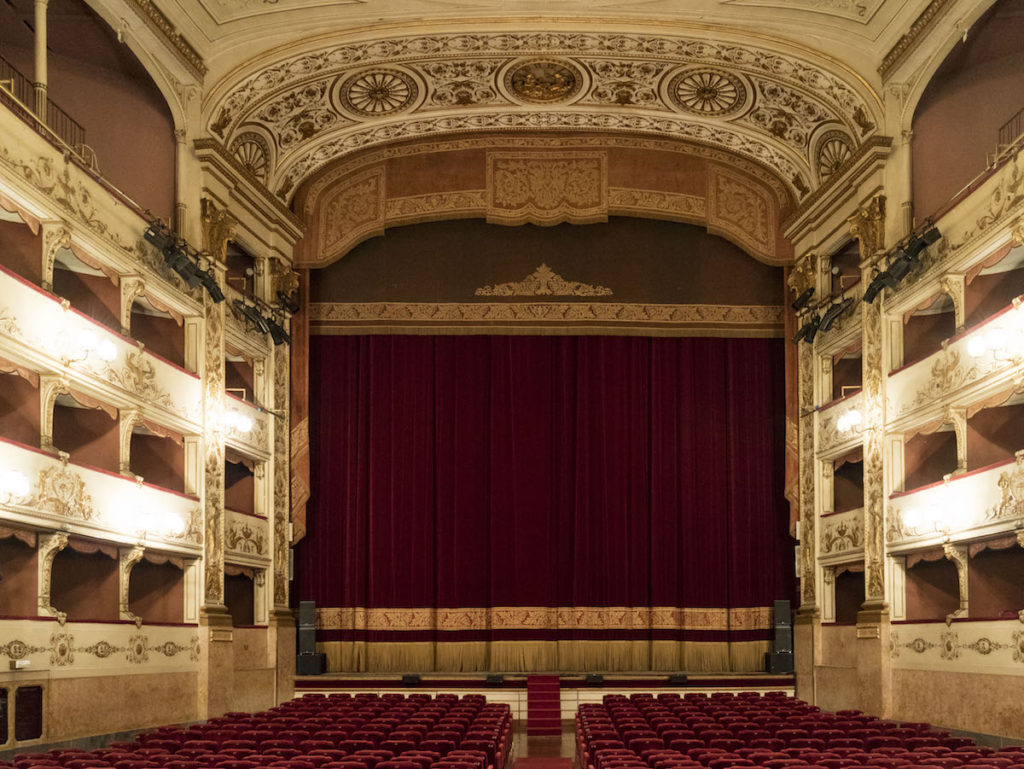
<point>40,59</point>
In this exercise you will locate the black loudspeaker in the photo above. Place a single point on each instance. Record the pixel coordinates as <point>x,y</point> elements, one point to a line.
<point>310,664</point>
<point>410,679</point>
<point>307,614</point>
<point>780,662</point>
<point>783,640</point>
<point>495,679</point>
<point>782,614</point>
<point>677,679</point>
<point>593,679</point>
<point>307,640</point>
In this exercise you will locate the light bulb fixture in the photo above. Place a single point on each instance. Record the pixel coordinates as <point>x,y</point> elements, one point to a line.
<point>237,421</point>
<point>998,341</point>
<point>14,486</point>
<point>848,420</point>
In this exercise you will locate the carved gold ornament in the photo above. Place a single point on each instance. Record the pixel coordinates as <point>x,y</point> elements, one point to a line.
<point>253,153</point>
<point>544,81</point>
<point>378,92</point>
<point>833,151</point>
<point>543,282</point>
<point>708,92</point>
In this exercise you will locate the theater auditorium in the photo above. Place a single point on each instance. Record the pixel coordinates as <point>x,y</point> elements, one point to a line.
<point>507,384</point>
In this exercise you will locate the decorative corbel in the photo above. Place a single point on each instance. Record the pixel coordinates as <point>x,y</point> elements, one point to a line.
<point>868,227</point>
<point>50,387</point>
<point>801,277</point>
<point>48,546</point>
<point>957,416</point>
<point>56,236</point>
<point>129,418</point>
<point>132,287</point>
<point>127,557</point>
<point>954,285</point>
<point>958,555</point>
<point>218,228</point>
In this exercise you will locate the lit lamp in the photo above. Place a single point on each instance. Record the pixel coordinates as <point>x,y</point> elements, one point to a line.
<point>87,343</point>
<point>14,486</point>
<point>238,422</point>
<point>848,420</point>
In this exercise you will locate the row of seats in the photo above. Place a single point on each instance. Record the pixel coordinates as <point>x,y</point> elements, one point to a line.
<point>775,731</point>
<point>365,731</point>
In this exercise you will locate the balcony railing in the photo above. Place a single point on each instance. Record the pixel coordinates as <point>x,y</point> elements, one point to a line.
<point>18,94</point>
<point>1011,133</point>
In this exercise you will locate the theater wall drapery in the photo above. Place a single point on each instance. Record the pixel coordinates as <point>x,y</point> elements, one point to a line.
<point>539,503</point>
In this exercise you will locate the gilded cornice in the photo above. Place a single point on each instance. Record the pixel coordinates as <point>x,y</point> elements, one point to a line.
<point>157,21</point>
<point>913,36</point>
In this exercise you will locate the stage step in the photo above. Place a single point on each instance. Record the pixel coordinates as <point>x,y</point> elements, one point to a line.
<point>543,705</point>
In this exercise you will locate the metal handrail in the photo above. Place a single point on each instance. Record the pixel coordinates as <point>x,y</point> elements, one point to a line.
<point>18,92</point>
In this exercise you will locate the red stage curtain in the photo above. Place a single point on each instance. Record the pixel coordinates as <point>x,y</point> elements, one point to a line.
<point>571,473</point>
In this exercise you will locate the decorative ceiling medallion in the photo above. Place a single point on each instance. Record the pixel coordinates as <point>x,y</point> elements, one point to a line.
<point>544,81</point>
<point>707,92</point>
<point>253,152</point>
<point>378,92</point>
<point>833,150</point>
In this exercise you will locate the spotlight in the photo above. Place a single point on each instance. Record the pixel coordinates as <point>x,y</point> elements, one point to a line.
<point>289,301</point>
<point>832,313</point>
<point>252,315</point>
<point>277,332</point>
<point>803,300</point>
<point>159,235</point>
<point>901,266</point>
<point>212,287</point>
<point>808,331</point>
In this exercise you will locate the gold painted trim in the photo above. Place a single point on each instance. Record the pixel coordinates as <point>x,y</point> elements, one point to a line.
<point>157,21</point>
<point>544,618</point>
<point>361,317</point>
<point>910,40</point>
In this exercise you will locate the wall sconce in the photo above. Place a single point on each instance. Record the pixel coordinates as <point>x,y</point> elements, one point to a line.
<point>997,341</point>
<point>238,422</point>
<point>79,345</point>
<point>168,524</point>
<point>14,486</point>
<point>848,420</point>
<point>948,514</point>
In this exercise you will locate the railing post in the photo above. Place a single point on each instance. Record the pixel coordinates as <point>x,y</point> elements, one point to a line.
<point>40,60</point>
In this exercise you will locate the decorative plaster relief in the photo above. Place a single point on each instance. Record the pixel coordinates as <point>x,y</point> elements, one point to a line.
<point>738,208</point>
<point>352,212</point>
<point>543,282</point>
<point>547,188</point>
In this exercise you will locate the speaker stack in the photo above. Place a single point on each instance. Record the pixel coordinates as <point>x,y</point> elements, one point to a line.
<point>781,658</point>
<point>307,661</point>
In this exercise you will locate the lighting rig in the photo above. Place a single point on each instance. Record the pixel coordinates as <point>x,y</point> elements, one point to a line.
<point>263,318</point>
<point>192,266</point>
<point>902,260</point>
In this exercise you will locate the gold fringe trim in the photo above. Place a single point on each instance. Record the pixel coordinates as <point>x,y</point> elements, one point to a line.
<point>529,656</point>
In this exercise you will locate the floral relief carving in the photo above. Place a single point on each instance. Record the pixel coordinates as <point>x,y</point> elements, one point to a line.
<point>19,650</point>
<point>545,188</point>
<point>137,651</point>
<point>300,114</point>
<point>213,465</point>
<point>243,538</point>
<point>138,376</point>
<point>841,536</point>
<point>786,113</point>
<point>673,205</point>
<point>947,374</point>
<point>626,82</point>
<point>354,210</point>
<point>718,136</point>
<point>1011,493</point>
<point>543,282</point>
<point>282,504</point>
<point>805,438</point>
<point>102,649</point>
<point>544,81</point>
<point>868,227</point>
<point>740,208</point>
<point>462,83</point>
<point>63,492</point>
<point>62,649</point>
<point>873,407</point>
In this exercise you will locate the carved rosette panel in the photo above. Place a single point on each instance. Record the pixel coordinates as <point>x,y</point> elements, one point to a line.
<point>808,539</point>
<point>353,211</point>
<point>282,475</point>
<point>547,188</point>
<point>213,464</point>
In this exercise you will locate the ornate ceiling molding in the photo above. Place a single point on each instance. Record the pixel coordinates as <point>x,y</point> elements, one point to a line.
<point>540,180</point>
<point>294,116</point>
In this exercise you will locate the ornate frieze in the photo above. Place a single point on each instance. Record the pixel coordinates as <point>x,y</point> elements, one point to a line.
<point>972,647</point>
<point>841,534</point>
<point>352,212</point>
<point>547,188</point>
<point>282,478</point>
<point>543,282</point>
<point>738,208</point>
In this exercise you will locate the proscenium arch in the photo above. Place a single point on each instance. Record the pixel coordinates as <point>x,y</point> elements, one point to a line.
<point>581,180</point>
<point>770,99</point>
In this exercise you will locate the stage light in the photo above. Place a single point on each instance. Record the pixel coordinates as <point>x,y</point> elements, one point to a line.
<point>803,300</point>
<point>209,282</point>
<point>808,331</point>
<point>251,314</point>
<point>159,235</point>
<point>277,332</point>
<point>832,313</point>
<point>290,302</point>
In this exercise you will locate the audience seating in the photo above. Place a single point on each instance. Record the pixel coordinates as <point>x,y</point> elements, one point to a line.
<point>339,731</point>
<point>774,731</point>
